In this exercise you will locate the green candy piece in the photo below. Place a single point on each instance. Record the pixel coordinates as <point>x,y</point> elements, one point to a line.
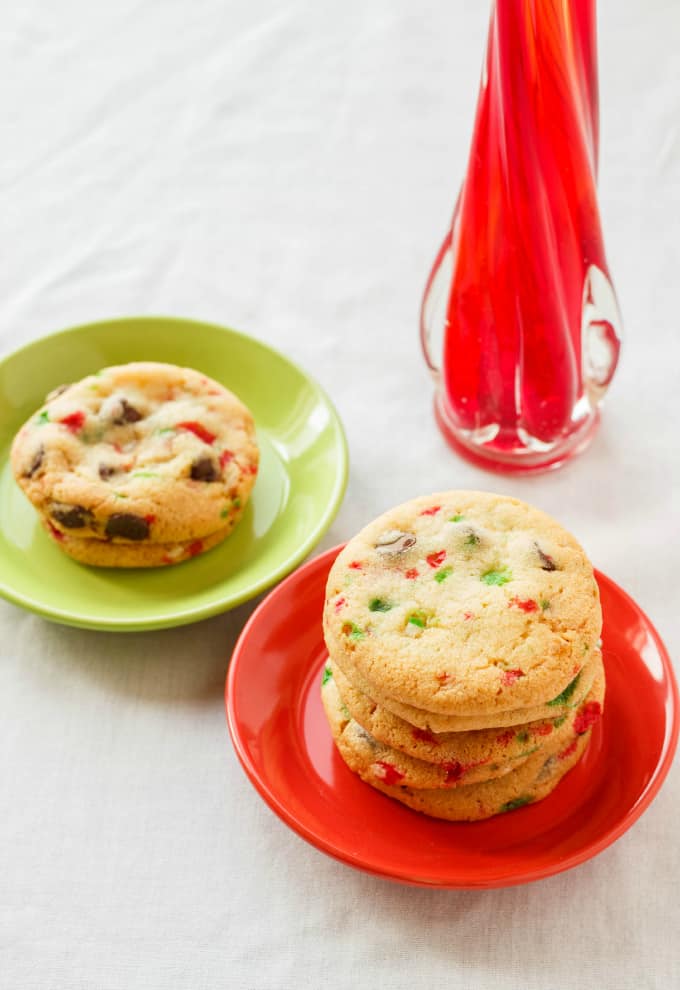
<point>544,604</point>
<point>418,619</point>
<point>443,574</point>
<point>560,721</point>
<point>224,513</point>
<point>527,752</point>
<point>518,802</point>
<point>42,418</point>
<point>353,631</point>
<point>119,495</point>
<point>457,518</point>
<point>165,431</point>
<point>471,540</point>
<point>145,474</point>
<point>565,695</point>
<point>522,737</point>
<point>327,674</point>
<point>236,502</point>
<point>379,605</point>
<point>345,711</point>
<point>497,577</point>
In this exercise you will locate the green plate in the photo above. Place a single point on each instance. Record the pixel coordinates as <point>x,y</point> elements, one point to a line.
<point>303,474</point>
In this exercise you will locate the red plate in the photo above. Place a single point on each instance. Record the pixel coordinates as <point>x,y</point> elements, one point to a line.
<point>283,741</point>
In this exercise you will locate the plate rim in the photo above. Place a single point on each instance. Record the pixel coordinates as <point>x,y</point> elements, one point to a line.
<point>186,616</point>
<point>324,845</point>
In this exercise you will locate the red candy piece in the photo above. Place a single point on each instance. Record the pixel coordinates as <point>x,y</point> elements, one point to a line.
<point>195,548</point>
<point>423,735</point>
<point>150,519</point>
<point>543,730</point>
<point>56,533</point>
<point>225,457</point>
<point>252,469</point>
<point>166,559</point>
<point>437,558</point>
<point>587,717</point>
<point>338,605</point>
<point>198,430</point>
<point>356,565</point>
<point>468,615</point>
<point>568,751</point>
<point>73,422</point>
<point>390,774</point>
<point>411,574</point>
<point>443,677</point>
<point>431,512</point>
<point>510,676</point>
<point>506,737</point>
<point>526,604</point>
<point>454,771</point>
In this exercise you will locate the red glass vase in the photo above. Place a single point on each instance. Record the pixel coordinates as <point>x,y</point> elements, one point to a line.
<point>519,323</point>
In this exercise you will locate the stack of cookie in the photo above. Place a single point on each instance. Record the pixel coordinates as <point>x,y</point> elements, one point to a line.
<point>464,671</point>
<point>140,465</point>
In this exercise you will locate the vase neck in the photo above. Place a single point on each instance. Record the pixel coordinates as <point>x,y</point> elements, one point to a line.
<point>540,45</point>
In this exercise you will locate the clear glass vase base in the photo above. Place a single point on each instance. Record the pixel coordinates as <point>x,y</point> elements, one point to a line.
<point>517,457</point>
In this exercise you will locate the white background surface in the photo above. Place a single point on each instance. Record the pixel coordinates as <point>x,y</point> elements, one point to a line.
<point>288,169</point>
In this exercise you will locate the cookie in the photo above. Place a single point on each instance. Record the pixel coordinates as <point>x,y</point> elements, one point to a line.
<point>556,707</point>
<point>463,756</point>
<point>116,553</point>
<point>530,783</point>
<point>373,760</point>
<point>463,603</point>
<point>138,454</point>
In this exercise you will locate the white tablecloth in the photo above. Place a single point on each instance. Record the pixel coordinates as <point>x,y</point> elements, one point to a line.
<point>288,169</point>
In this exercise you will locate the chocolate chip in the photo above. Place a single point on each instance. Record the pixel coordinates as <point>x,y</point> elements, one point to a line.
<point>366,736</point>
<point>547,563</point>
<point>127,414</point>
<point>36,463</point>
<point>127,525</point>
<point>395,542</point>
<point>71,516</point>
<point>547,768</point>
<point>107,471</point>
<point>204,469</point>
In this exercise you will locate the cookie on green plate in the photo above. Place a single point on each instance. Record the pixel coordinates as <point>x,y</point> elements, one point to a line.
<point>142,464</point>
